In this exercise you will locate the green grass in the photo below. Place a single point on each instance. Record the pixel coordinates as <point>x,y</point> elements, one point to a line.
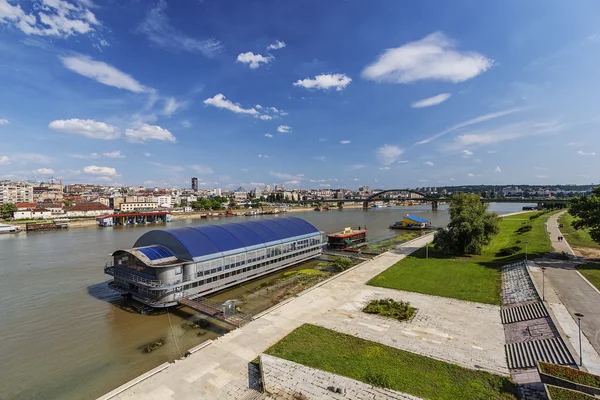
<point>575,237</point>
<point>385,366</point>
<point>472,278</point>
<point>591,272</point>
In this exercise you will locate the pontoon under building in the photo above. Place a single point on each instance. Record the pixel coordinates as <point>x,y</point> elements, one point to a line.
<point>167,265</point>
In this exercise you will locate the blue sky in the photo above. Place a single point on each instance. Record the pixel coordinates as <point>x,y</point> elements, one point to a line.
<point>312,94</point>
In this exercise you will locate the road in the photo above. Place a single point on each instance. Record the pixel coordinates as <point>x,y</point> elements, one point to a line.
<point>574,291</point>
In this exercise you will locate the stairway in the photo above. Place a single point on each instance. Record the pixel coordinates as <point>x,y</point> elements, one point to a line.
<point>524,312</point>
<point>526,354</point>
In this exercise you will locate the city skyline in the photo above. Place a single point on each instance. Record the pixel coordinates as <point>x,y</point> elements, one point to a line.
<point>308,95</point>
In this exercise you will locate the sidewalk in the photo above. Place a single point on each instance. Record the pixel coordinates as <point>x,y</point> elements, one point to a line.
<point>567,293</point>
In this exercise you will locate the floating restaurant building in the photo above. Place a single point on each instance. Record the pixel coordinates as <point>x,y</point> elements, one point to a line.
<point>165,266</point>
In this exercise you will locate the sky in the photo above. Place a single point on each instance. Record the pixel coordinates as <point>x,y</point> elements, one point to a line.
<point>309,94</point>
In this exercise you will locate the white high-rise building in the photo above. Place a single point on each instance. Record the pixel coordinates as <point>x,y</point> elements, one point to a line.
<point>15,192</point>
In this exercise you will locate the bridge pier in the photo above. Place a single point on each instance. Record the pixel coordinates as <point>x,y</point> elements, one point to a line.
<point>340,205</point>
<point>434,205</point>
<point>365,205</point>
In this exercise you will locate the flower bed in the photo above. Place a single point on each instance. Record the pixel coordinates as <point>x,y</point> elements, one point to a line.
<point>569,378</point>
<point>558,393</point>
<point>400,310</point>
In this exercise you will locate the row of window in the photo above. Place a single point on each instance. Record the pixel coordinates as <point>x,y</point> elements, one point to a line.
<point>243,270</point>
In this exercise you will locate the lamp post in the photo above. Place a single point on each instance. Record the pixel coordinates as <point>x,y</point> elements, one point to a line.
<point>543,283</point>
<point>427,251</point>
<point>526,243</point>
<point>579,316</point>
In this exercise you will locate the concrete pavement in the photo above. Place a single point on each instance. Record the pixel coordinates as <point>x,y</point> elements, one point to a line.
<point>572,290</point>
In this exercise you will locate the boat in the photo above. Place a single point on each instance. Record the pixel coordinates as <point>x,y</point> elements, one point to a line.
<point>347,238</point>
<point>377,204</point>
<point>388,205</point>
<point>4,228</point>
<point>412,223</point>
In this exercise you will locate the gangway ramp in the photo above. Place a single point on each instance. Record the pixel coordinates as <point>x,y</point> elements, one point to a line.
<point>220,311</point>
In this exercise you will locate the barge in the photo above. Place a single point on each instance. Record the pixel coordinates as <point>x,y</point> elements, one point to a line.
<point>174,266</point>
<point>412,223</point>
<point>348,238</point>
<point>134,218</point>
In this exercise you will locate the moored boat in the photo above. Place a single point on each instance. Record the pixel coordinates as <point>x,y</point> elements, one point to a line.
<point>413,223</point>
<point>4,228</point>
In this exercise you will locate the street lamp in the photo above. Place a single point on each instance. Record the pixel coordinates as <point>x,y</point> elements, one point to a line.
<point>543,283</point>
<point>426,250</point>
<point>526,243</point>
<point>579,316</point>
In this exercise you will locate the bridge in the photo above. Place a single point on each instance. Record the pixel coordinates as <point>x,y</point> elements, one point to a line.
<point>434,199</point>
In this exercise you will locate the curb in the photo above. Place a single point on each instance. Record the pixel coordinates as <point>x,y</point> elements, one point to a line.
<point>134,382</point>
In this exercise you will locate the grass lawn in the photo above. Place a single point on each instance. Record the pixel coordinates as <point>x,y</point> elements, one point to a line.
<point>473,278</point>
<point>575,237</point>
<point>385,366</point>
<point>591,272</point>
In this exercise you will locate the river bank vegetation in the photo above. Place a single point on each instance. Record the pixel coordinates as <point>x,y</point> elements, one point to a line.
<point>470,277</point>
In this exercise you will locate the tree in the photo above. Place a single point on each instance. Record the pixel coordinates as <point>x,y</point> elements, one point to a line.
<point>471,226</point>
<point>7,210</point>
<point>587,210</point>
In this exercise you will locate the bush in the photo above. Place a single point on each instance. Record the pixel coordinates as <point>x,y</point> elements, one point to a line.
<point>535,216</point>
<point>391,308</point>
<point>508,251</point>
<point>570,374</point>
<point>341,263</point>
<point>523,229</point>
<point>154,345</point>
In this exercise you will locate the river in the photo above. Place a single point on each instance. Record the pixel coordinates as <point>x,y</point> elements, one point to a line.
<point>63,334</point>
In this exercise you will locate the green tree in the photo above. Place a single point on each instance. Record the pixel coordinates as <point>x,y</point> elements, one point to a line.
<point>587,210</point>
<point>471,226</point>
<point>67,203</point>
<point>7,210</point>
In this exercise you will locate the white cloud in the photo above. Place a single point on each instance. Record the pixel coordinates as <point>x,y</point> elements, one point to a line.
<point>186,124</point>
<point>431,101</point>
<point>54,18</point>
<point>357,166</point>
<point>201,169</point>
<point>274,109</point>
<point>345,142</point>
<point>497,169</point>
<point>283,128</point>
<point>325,185</point>
<point>583,153</point>
<point>147,154</point>
<point>281,175</point>
<point>575,144</point>
<point>4,160</point>
<point>258,106</point>
<point>470,175</point>
<point>263,156</point>
<point>220,101</point>
<point>172,105</point>
<point>473,121</point>
<point>506,132</point>
<point>389,154</point>
<point>542,176</point>
<point>253,60</point>
<point>467,153</point>
<point>149,132</point>
<point>85,127</point>
<point>266,117</point>
<point>294,182</point>
<point>104,179</point>
<point>44,171</point>
<point>103,73</point>
<point>157,29</point>
<point>325,82</point>
<point>95,170</point>
<point>431,164</point>
<point>433,57</point>
<point>32,158</point>
<point>268,135</point>
<point>384,168</point>
<point>113,154</point>
<point>3,122</point>
<point>278,44</point>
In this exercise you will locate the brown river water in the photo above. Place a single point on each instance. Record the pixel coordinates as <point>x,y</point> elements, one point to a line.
<point>63,332</point>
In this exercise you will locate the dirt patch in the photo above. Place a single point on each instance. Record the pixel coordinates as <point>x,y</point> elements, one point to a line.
<point>587,252</point>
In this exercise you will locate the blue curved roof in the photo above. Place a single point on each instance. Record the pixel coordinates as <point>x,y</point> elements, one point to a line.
<point>191,243</point>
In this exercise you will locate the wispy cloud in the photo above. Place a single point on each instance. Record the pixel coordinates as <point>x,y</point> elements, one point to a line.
<point>220,101</point>
<point>586,153</point>
<point>284,128</point>
<point>96,170</point>
<point>149,132</point>
<point>430,163</point>
<point>506,132</point>
<point>157,29</point>
<point>345,142</point>
<point>325,82</point>
<point>110,154</point>
<point>268,135</point>
<point>433,57</point>
<point>470,122</point>
<point>497,169</point>
<point>278,44</point>
<point>4,160</point>
<point>103,73</point>
<point>431,101</point>
<point>3,122</point>
<point>389,154</point>
<point>467,153</point>
<point>201,169</point>
<point>253,60</point>
<point>172,105</point>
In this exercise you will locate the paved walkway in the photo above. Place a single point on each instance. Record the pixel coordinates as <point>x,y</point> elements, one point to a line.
<point>469,334</point>
<point>573,294</point>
